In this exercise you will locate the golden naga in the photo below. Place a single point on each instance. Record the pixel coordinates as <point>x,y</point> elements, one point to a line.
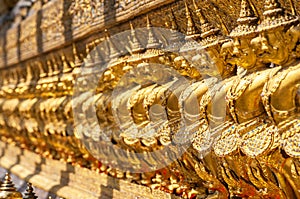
<point>233,97</point>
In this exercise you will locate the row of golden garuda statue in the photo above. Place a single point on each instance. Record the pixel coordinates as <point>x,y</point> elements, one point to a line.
<point>240,109</point>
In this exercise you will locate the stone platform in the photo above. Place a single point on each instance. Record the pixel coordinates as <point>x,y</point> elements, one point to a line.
<point>64,180</point>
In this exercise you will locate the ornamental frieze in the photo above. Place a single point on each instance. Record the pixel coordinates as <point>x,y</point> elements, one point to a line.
<point>196,99</point>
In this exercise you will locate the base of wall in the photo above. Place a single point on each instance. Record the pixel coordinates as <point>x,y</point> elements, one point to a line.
<point>69,181</point>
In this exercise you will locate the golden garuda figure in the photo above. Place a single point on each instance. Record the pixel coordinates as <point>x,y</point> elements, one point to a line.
<point>199,99</point>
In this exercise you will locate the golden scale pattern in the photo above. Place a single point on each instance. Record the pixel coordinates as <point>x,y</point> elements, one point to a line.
<point>253,153</point>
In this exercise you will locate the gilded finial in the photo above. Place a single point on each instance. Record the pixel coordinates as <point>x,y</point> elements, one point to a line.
<point>29,194</point>
<point>246,13</point>
<point>222,23</point>
<point>293,7</point>
<point>176,38</point>
<point>247,21</point>
<point>191,30</point>
<point>198,11</point>
<point>8,190</point>
<point>210,35</point>
<point>77,61</point>
<point>89,60</point>
<point>174,25</point>
<point>153,42</point>
<point>98,56</point>
<point>114,52</point>
<point>135,44</point>
<point>207,28</point>
<point>274,16</point>
<point>272,7</point>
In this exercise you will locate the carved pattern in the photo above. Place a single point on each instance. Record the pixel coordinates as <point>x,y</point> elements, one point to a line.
<point>36,101</point>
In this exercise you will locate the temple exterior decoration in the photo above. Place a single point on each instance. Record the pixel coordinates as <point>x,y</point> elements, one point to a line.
<point>200,99</point>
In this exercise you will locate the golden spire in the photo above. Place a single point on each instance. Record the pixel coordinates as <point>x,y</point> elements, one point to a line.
<point>77,61</point>
<point>275,16</point>
<point>272,7</point>
<point>191,30</point>
<point>210,35</point>
<point>97,52</point>
<point>207,28</point>
<point>153,42</point>
<point>135,44</point>
<point>29,194</point>
<point>176,38</point>
<point>113,50</point>
<point>174,25</point>
<point>8,190</point>
<point>293,7</point>
<point>89,60</point>
<point>247,21</point>
<point>246,13</point>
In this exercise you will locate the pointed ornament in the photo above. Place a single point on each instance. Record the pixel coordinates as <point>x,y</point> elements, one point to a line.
<point>275,16</point>
<point>247,21</point>
<point>153,42</point>
<point>113,50</point>
<point>207,28</point>
<point>29,194</point>
<point>191,30</point>
<point>135,44</point>
<point>8,190</point>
